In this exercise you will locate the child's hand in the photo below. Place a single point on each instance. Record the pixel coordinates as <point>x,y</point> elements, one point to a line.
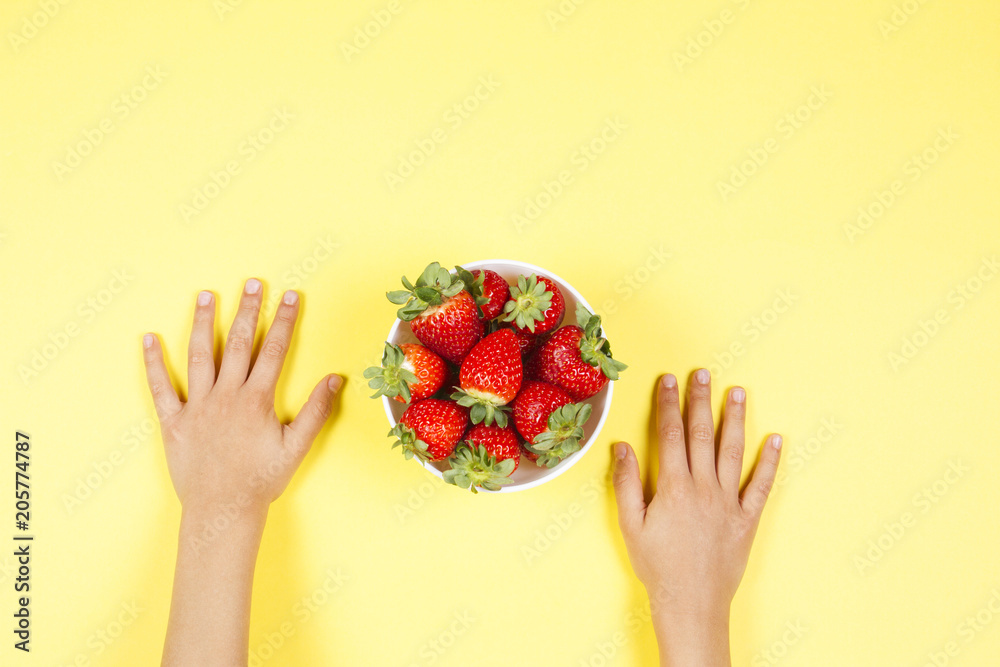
<point>229,456</point>
<point>690,544</point>
<point>227,440</point>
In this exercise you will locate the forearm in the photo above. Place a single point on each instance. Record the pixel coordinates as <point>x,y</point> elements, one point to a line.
<point>687,640</point>
<point>210,609</point>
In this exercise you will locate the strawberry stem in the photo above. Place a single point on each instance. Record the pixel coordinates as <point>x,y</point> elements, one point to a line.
<point>433,286</point>
<point>473,466</point>
<point>529,300</point>
<point>391,379</point>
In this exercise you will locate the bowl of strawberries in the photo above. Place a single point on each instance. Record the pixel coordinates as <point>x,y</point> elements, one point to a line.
<point>495,376</point>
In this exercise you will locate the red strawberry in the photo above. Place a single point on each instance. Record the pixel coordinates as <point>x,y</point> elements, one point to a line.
<point>502,443</point>
<point>526,341</point>
<point>534,404</point>
<point>577,359</point>
<point>531,371</point>
<point>487,459</point>
<point>496,289</point>
<point>535,304</point>
<point>408,373</point>
<point>430,429</point>
<point>441,313</point>
<point>488,288</point>
<point>547,418</point>
<point>490,378</point>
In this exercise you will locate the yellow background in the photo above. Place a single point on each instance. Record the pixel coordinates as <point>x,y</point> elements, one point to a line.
<point>560,73</point>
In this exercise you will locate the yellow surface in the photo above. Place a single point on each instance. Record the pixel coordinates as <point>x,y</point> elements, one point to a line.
<point>175,198</point>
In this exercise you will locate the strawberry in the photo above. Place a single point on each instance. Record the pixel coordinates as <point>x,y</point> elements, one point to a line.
<point>534,404</point>
<point>430,429</point>
<point>526,341</point>
<point>442,315</point>
<point>577,359</point>
<point>565,430</point>
<point>488,288</point>
<point>490,378</point>
<point>531,371</point>
<point>501,442</point>
<point>535,304</point>
<point>487,458</point>
<point>408,373</point>
<point>550,421</point>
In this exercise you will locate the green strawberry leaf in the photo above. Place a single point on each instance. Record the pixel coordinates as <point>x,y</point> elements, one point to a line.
<point>472,466</point>
<point>433,286</point>
<point>529,300</point>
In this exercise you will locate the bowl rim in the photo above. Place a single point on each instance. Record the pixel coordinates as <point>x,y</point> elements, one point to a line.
<point>591,437</point>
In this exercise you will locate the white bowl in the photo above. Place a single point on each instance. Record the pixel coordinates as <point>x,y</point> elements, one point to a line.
<point>527,475</point>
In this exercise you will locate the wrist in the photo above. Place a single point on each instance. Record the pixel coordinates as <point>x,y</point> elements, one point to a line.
<point>239,507</point>
<point>223,525</point>
<point>692,639</point>
<point>691,634</point>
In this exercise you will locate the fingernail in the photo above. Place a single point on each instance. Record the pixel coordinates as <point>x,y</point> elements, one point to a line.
<point>147,341</point>
<point>702,376</point>
<point>291,297</point>
<point>669,381</point>
<point>739,395</point>
<point>253,286</point>
<point>776,442</point>
<point>334,382</point>
<point>204,298</point>
<point>620,451</point>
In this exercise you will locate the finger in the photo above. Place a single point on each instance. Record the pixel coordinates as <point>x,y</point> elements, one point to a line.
<point>701,430</point>
<point>267,368</point>
<point>239,344</point>
<point>201,348</point>
<point>162,390</point>
<point>755,495</point>
<point>628,489</point>
<point>732,442</point>
<point>670,431</point>
<point>307,424</point>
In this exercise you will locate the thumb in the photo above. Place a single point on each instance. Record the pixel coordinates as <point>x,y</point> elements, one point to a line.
<point>628,489</point>
<point>307,424</point>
